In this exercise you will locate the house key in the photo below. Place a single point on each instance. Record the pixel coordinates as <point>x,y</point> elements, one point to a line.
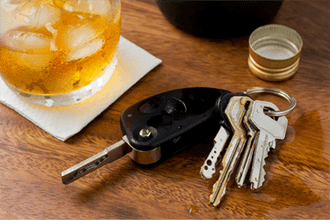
<point>158,127</point>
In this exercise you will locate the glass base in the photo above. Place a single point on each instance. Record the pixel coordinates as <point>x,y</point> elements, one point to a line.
<point>71,97</point>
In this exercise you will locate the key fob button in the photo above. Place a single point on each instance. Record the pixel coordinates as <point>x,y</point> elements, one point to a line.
<point>175,107</point>
<point>152,106</point>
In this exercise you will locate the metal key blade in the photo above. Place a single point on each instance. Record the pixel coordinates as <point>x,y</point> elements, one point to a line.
<point>106,156</point>
<point>245,162</point>
<point>228,163</point>
<point>258,172</point>
<point>270,129</point>
<point>249,149</point>
<point>209,167</point>
<point>235,112</point>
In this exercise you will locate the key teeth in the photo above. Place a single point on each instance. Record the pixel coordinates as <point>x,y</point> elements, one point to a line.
<point>216,197</point>
<point>215,201</point>
<point>262,175</point>
<point>262,171</point>
<point>239,182</point>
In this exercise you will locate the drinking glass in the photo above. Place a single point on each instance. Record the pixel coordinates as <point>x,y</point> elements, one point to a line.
<point>58,52</point>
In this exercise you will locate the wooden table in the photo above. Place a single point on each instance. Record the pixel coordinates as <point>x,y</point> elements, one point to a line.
<point>297,180</point>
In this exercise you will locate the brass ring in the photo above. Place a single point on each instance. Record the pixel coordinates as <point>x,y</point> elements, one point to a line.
<point>278,92</point>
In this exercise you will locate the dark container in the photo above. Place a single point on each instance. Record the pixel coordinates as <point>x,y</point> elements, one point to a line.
<point>219,19</point>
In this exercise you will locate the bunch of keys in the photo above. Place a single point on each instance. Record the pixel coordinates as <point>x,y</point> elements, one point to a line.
<point>254,127</point>
<point>159,126</point>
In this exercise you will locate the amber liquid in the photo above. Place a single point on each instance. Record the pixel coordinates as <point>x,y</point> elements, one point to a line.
<point>70,54</point>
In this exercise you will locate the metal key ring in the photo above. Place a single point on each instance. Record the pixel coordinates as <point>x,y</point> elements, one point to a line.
<point>278,92</point>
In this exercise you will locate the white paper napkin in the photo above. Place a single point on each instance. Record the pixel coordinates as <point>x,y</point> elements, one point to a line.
<point>63,122</point>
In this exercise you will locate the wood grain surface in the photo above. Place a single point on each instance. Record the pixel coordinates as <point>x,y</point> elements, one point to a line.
<point>297,180</point>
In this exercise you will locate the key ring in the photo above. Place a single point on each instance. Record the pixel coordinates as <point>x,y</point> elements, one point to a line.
<point>278,92</point>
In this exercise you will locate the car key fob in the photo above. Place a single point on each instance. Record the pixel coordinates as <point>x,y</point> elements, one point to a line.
<point>161,125</point>
<point>157,127</point>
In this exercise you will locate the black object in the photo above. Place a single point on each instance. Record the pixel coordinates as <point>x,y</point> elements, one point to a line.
<point>157,127</point>
<point>219,19</point>
<point>175,119</point>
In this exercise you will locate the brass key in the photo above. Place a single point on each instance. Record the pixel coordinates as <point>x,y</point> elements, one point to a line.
<point>246,160</point>
<point>235,112</point>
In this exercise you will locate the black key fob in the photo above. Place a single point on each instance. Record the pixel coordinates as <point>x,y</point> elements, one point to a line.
<point>161,125</point>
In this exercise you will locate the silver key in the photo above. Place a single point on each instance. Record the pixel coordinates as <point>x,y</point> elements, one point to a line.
<point>269,130</point>
<point>235,112</point>
<point>210,164</point>
<point>106,156</point>
<point>245,164</point>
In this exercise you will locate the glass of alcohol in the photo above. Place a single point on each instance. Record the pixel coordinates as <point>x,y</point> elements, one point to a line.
<point>58,52</point>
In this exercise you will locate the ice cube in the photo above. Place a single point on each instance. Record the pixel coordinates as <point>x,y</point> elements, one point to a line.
<point>35,62</point>
<point>25,40</point>
<point>86,50</point>
<point>75,36</point>
<point>38,13</point>
<point>7,15</point>
<point>27,48</point>
<point>79,36</point>
<point>94,7</point>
